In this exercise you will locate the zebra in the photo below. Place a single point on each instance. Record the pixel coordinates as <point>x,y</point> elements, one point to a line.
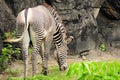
<point>41,29</point>
<point>60,27</point>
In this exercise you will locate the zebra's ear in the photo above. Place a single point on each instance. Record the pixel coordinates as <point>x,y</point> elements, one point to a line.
<point>69,39</point>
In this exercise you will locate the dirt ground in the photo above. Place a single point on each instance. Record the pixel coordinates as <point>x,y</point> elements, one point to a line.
<point>92,55</point>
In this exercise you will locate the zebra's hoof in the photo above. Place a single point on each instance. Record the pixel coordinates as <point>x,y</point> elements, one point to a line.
<point>63,68</point>
<point>44,72</point>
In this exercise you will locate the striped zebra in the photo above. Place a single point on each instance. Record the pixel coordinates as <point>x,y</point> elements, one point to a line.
<point>57,37</point>
<point>41,29</point>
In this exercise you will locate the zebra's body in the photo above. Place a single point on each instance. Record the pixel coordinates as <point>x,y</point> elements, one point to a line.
<point>41,29</point>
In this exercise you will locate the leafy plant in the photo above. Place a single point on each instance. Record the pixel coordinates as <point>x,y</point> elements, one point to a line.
<point>103,70</point>
<point>102,47</point>
<point>6,55</point>
<point>54,74</point>
<point>9,34</point>
<point>95,70</point>
<point>14,34</point>
<point>13,72</point>
<point>8,51</point>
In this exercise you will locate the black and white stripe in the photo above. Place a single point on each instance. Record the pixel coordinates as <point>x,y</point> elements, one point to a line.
<point>59,37</point>
<point>57,18</point>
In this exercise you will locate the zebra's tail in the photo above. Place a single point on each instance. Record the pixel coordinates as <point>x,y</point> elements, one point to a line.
<point>25,28</point>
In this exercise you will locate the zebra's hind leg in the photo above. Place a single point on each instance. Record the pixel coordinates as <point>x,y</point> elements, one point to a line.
<point>34,61</point>
<point>36,49</point>
<point>46,45</point>
<point>25,45</point>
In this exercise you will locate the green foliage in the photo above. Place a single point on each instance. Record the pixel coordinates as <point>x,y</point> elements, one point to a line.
<point>95,70</point>
<point>30,50</point>
<point>54,74</point>
<point>103,70</point>
<point>8,51</point>
<point>14,34</point>
<point>13,72</point>
<point>7,35</point>
<point>102,47</point>
<point>6,55</point>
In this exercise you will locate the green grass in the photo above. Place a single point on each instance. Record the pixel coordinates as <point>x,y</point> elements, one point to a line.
<point>54,74</point>
<point>103,70</point>
<point>13,72</point>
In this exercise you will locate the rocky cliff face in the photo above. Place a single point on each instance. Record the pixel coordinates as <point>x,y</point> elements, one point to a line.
<point>111,9</point>
<point>80,23</point>
<point>109,21</point>
<point>77,17</point>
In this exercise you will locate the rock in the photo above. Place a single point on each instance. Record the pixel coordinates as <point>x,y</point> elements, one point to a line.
<point>77,16</point>
<point>109,29</point>
<point>111,9</point>
<point>80,23</point>
<point>1,43</point>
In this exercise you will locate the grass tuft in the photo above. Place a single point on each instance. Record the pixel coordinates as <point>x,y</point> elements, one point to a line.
<point>103,70</point>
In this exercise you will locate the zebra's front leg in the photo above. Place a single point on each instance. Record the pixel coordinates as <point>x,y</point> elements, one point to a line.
<point>25,45</point>
<point>61,58</point>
